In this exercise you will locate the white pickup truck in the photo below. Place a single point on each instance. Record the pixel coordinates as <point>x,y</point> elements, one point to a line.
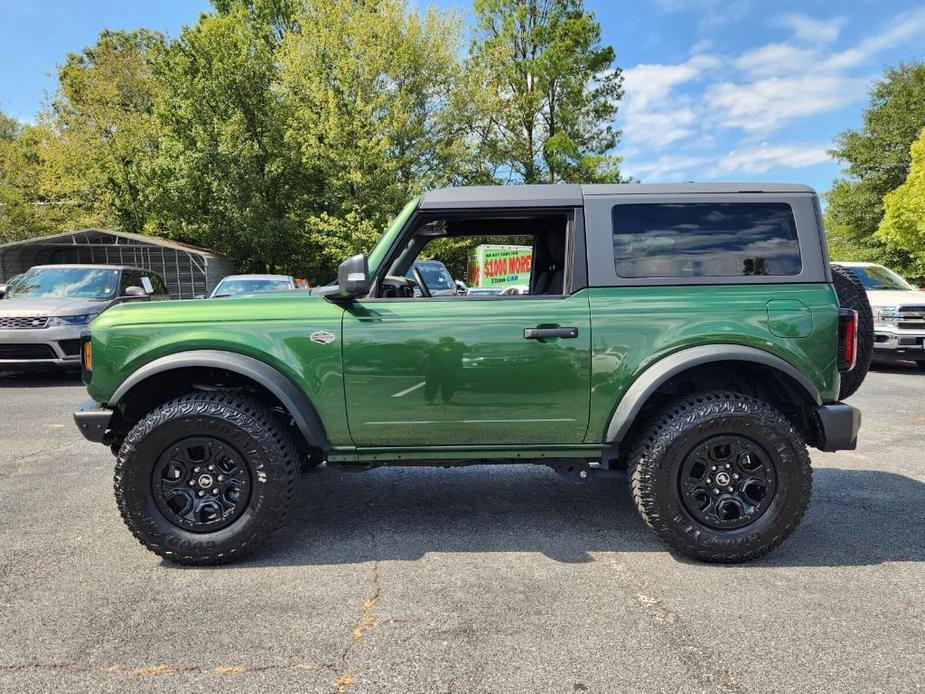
<point>899,313</point>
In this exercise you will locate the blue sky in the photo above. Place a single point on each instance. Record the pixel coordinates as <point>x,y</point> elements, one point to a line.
<point>715,89</point>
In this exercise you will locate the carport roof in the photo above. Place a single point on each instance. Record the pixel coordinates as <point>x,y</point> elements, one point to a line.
<point>98,236</point>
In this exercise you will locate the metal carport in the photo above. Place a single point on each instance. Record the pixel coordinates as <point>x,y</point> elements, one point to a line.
<point>187,270</point>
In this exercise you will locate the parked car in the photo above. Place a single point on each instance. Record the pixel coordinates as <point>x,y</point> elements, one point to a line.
<point>432,278</point>
<point>898,311</point>
<point>717,356</point>
<point>484,291</point>
<point>252,284</point>
<point>45,309</point>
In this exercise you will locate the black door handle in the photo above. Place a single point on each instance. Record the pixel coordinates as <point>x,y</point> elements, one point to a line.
<point>543,333</point>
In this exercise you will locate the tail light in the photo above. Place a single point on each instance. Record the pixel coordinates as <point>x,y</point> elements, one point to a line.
<point>847,339</point>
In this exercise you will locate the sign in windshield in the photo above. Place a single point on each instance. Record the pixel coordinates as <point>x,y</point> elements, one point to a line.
<point>84,283</point>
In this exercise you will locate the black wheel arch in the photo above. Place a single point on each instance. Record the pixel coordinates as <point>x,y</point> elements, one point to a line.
<point>148,380</point>
<point>645,388</point>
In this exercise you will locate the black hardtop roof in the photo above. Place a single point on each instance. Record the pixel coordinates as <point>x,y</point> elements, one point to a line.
<point>572,194</point>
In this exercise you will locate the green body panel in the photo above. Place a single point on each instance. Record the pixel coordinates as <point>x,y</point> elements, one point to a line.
<point>273,328</point>
<point>459,372</point>
<point>790,318</point>
<point>381,249</point>
<point>634,327</point>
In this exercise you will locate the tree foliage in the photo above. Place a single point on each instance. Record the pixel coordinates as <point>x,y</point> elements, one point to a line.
<point>903,223</point>
<point>286,133</point>
<point>552,89</point>
<point>877,160</point>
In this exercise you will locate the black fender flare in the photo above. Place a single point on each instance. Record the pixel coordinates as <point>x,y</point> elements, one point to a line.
<point>291,396</point>
<point>652,378</point>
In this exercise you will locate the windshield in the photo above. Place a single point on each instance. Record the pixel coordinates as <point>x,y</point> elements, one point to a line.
<point>436,276</point>
<point>84,283</point>
<point>228,287</point>
<point>879,277</point>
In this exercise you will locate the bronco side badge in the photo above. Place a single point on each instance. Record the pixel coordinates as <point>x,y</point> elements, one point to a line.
<point>322,337</point>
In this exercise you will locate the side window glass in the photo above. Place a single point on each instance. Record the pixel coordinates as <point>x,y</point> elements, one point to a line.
<point>705,240</point>
<point>130,278</point>
<point>157,284</point>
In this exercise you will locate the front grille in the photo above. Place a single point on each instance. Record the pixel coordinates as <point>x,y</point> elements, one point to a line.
<point>911,325</point>
<point>26,352</point>
<point>912,309</point>
<point>19,322</point>
<point>70,348</point>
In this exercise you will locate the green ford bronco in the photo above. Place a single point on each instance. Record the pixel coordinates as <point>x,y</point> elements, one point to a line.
<point>689,336</point>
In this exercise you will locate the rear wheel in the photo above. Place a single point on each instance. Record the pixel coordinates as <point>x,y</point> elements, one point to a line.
<point>851,294</point>
<point>205,478</point>
<point>721,477</point>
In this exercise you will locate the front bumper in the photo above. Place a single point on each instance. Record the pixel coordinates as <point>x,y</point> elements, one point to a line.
<point>93,420</point>
<point>38,347</point>
<point>838,425</point>
<point>905,345</point>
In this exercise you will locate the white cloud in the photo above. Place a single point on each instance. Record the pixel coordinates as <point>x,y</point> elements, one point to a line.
<point>765,105</point>
<point>775,59</point>
<point>905,27</point>
<point>674,115</point>
<point>647,84</point>
<point>812,30</point>
<point>654,116</point>
<point>667,167</point>
<point>755,160</point>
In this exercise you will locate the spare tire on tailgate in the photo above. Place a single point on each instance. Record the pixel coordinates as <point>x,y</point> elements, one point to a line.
<point>851,294</point>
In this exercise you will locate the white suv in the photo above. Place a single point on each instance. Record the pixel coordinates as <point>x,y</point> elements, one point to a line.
<point>899,313</point>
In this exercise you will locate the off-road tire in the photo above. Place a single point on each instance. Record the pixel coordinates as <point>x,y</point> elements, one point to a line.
<point>245,424</point>
<point>851,294</point>
<point>659,451</point>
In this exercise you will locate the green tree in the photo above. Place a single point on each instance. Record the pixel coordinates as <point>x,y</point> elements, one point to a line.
<point>903,223</point>
<point>553,89</point>
<point>291,133</point>
<point>876,161</point>
<point>26,209</point>
<point>224,175</point>
<point>102,115</point>
<point>369,83</point>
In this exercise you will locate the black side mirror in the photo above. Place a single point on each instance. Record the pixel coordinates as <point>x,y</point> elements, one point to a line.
<point>353,277</point>
<point>3,290</point>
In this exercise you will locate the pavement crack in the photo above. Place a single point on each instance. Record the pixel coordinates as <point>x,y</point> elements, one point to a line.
<point>364,624</point>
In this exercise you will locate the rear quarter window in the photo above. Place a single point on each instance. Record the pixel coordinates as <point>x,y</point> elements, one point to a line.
<point>705,240</point>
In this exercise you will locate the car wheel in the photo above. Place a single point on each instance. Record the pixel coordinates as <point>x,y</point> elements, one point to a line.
<point>205,478</point>
<point>851,294</point>
<point>721,477</point>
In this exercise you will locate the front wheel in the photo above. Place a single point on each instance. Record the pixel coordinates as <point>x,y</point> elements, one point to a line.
<point>721,477</point>
<point>205,478</point>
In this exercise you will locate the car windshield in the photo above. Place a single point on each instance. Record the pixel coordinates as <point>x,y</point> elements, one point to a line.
<point>242,286</point>
<point>879,277</point>
<point>437,277</point>
<point>85,283</point>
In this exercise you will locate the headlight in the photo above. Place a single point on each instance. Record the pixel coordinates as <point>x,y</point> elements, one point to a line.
<point>886,314</point>
<point>82,319</point>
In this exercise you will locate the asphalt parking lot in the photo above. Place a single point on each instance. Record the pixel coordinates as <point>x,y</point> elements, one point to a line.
<point>485,579</point>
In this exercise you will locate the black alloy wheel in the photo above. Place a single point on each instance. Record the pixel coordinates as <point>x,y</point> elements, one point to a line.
<point>201,484</point>
<point>727,482</point>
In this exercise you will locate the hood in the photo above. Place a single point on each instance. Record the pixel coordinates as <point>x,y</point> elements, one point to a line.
<point>250,308</point>
<point>50,306</point>
<point>895,297</point>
